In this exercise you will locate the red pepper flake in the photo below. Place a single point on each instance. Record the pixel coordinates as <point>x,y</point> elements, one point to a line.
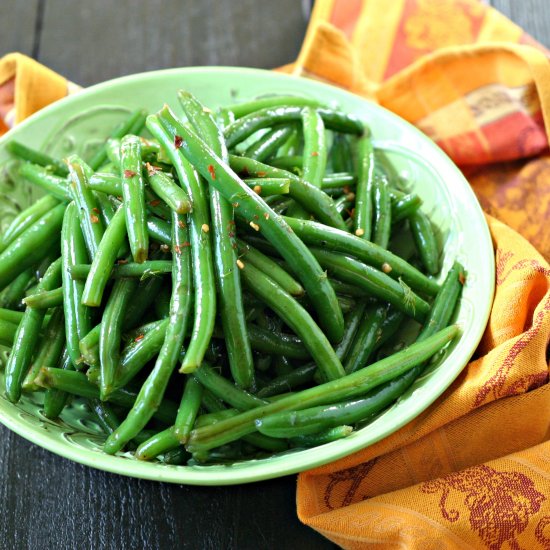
<point>129,173</point>
<point>462,278</point>
<point>261,174</point>
<point>151,170</point>
<point>235,204</point>
<point>177,249</point>
<point>351,213</point>
<point>178,141</point>
<point>244,172</point>
<point>314,154</point>
<point>266,215</point>
<point>185,244</point>
<point>154,202</point>
<point>181,224</point>
<point>122,262</point>
<point>212,171</point>
<point>140,337</point>
<point>231,222</point>
<point>231,234</point>
<point>96,210</point>
<point>94,218</point>
<point>346,189</point>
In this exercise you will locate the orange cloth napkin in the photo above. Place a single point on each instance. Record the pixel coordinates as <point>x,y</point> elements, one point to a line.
<point>473,471</point>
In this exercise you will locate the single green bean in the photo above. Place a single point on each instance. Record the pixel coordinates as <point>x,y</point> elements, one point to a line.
<point>8,330</point>
<point>267,145</point>
<point>26,338</point>
<point>425,241</point>
<point>341,155</point>
<point>11,316</point>
<point>363,191</point>
<point>241,109</point>
<point>55,399</point>
<point>189,409</point>
<point>134,197</point>
<point>14,294</point>
<point>165,187</point>
<point>36,157</point>
<point>267,187</point>
<point>106,183</point>
<point>315,147</point>
<point>150,268</point>
<point>382,212</point>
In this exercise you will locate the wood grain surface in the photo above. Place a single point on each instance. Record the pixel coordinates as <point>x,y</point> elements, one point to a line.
<point>49,502</point>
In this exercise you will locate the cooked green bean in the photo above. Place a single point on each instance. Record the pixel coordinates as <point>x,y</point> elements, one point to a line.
<point>341,159</point>
<point>150,268</point>
<point>248,253</point>
<point>8,330</point>
<point>132,125</point>
<point>31,246</point>
<point>158,444</point>
<point>189,409</point>
<point>296,317</point>
<point>268,144</point>
<point>267,187</point>
<point>26,338</point>
<point>352,385</point>
<point>227,275</point>
<point>165,187</point>
<point>76,383</point>
<point>36,157</point>
<point>363,191</point>
<point>270,116</point>
<point>51,183</point>
<point>381,203</point>
<point>322,438</point>
<point>49,350</point>
<point>152,392</point>
<point>14,294</point>
<point>26,218</point>
<point>11,316</point>
<point>106,183</point>
<point>315,147</point>
<point>425,241</point>
<point>73,251</point>
<point>241,109</point>
<point>133,193</point>
<point>311,198</point>
<point>403,205</point>
<point>313,233</point>
<point>55,399</point>
<point>201,246</point>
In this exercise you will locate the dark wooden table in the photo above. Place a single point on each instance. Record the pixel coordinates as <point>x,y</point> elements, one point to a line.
<point>49,502</point>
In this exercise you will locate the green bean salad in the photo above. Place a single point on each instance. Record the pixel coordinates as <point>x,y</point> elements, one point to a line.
<point>223,286</point>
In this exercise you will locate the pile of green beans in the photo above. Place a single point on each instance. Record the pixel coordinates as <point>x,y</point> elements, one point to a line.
<point>225,286</point>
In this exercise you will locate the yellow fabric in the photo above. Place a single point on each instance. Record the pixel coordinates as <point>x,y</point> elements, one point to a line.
<point>472,471</point>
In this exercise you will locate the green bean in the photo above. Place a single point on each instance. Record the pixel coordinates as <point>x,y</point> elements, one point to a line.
<point>341,155</point>
<point>176,457</point>
<point>49,349</point>
<point>227,276</point>
<point>158,230</point>
<point>110,184</point>
<point>382,212</point>
<point>165,187</point>
<point>375,282</point>
<point>275,230</point>
<point>363,191</point>
<point>112,150</point>
<point>353,322</point>
<point>132,125</point>
<point>36,157</point>
<point>338,179</point>
<point>366,338</point>
<point>322,438</point>
<point>296,317</point>
<point>26,338</point>
<point>33,245</point>
<point>248,253</point>
<point>225,390</point>
<point>8,330</point>
<point>241,109</point>
<point>189,408</point>
<point>403,205</point>
<point>282,365</point>
<point>73,251</point>
<point>11,316</point>
<point>313,233</point>
<point>425,241</point>
<point>150,268</point>
<point>352,385</point>
<point>292,163</point>
<point>153,389</point>
<point>138,352</point>
<point>315,147</point>
<point>268,144</point>
<point>76,383</point>
<point>290,146</point>
<point>134,198</point>
<point>158,444</point>
<point>203,269</point>
<point>55,399</point>
<point>52,184</point>
<point>106,254</point>
<point>311,198</point>
<point>276,343</point>
<point>111,333</point>
<point>26,218</point>
<point>267,187</point>
<point>245,126</point>
<point>14,294</point>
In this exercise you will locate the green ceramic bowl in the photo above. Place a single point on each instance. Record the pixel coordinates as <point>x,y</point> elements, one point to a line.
<point>80,122</point>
